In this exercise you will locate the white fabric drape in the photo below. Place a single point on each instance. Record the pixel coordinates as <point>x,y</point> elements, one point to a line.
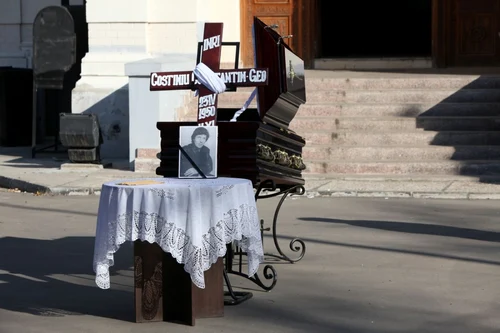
<point>212,81</point>
<point>245,106</point>
<point>192,219</point>
<point>209,79</point>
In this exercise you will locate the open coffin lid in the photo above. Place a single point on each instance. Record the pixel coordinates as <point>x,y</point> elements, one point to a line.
<point>279,101</point>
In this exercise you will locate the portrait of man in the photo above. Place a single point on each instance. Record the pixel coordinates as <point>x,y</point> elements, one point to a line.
<point>200,144</point>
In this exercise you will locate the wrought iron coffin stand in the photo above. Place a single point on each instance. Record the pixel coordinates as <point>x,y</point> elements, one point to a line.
<point>269,273</point>
<point>258,146</point>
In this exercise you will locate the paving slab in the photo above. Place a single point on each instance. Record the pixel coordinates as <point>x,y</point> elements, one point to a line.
<point>371,266</point>
<point>400,186</point>
<point>361,185</point>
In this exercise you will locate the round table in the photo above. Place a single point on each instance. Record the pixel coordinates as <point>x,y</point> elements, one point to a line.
<point>192,219</point>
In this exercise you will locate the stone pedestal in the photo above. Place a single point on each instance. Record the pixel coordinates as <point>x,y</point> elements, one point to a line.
<point>146,107</point>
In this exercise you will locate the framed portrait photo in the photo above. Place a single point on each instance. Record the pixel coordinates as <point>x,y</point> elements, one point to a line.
<point>199,151</point>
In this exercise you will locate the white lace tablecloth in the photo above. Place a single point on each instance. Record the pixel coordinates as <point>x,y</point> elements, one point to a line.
<point>192,219</point>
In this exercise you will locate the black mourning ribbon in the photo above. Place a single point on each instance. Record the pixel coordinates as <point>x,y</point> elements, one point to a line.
<point>192,162</point>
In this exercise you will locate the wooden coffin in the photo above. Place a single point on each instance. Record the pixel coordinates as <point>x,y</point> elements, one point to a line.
<point>241,152</point>
<point>258,146</point>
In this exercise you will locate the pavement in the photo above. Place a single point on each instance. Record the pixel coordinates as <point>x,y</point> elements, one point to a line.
<point>372,265</point>
<point>53,174</point>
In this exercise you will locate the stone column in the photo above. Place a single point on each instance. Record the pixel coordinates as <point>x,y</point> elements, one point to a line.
<point>149,107</point>
<point>137,32</point>
<point>172,38</point>
<point>117,35</point>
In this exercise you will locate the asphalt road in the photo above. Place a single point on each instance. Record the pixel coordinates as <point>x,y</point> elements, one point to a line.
<point>372,265</point>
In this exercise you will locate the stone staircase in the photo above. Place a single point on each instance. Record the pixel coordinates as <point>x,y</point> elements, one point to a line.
<point>398,134</point>
<point>396,129</point>
<point>410,125</point>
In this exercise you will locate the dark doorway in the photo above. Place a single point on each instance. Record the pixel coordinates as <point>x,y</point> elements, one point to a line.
<point>386,28</point>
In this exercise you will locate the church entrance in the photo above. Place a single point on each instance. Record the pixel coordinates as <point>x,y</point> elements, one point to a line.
<point>374,29</point>
<point>452,33</point>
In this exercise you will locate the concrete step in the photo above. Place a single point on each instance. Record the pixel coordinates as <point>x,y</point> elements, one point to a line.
<point>415,138</point>
<point>234,99</point>
<point>401,153</point>
<point>408,101</point>
<point>300,124</point>
<point>142,164</point>
<point>404,96</point>
<point>403,186</point>
<point>405,168</point>
<point>423,82</point>
<point>400,110</point>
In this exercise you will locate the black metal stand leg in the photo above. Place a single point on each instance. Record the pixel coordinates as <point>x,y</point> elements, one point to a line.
<point>269,274</point>
<point>296,244</point>
<point>236,297</point>
<point>301,245</point>
<point>34,120</point>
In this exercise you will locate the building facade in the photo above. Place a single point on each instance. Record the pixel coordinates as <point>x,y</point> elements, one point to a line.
<point>443,33</point>
<point>325,33</point>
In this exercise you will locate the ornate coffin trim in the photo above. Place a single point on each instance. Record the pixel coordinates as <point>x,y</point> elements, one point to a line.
<point>280,157</point>
<point>297,162</point>
<point>265,152</point>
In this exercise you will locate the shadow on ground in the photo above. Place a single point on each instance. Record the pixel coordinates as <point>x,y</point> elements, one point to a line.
<point>417,228</point>
<point>20,157</point>
<point>31,281</point>
<point>55,278</point>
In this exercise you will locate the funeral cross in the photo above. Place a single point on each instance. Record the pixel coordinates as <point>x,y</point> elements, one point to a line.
<point>210,56</point>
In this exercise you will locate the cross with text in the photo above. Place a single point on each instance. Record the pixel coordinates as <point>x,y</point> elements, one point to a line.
<point>210,56</point>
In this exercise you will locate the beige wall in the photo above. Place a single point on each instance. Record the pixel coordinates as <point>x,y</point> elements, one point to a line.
<point>228,12</point>
<point>158,26</point>
<point>178,28</point>
<point>150,28</point>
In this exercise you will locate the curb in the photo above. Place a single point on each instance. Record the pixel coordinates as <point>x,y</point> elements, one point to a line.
<point>24,186</point>
<point>396,194</point>
<point>74,191</point>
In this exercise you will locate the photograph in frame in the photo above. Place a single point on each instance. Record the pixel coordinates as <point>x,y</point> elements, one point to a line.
<point>200,144</point>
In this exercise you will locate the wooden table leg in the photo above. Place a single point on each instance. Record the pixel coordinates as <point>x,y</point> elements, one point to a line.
<point>165,292</point>
<point>148,281</point>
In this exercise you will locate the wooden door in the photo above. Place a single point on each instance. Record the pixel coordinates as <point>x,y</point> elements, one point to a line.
<point>280,12</point>
<point>293,17</point>
<point>474,30</point>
